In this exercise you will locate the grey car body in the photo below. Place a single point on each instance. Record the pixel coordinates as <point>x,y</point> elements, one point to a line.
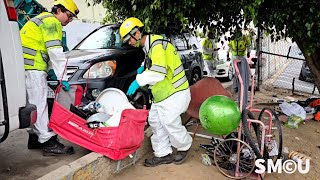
<point>104,45</point>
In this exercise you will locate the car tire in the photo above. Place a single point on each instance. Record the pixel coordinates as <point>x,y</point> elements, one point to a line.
<point>140,99</point>
<point>230,74</point>
<point>195,76</point>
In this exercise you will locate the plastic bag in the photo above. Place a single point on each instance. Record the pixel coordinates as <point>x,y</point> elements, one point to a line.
<point>293,109</point>
<point>294,121</point>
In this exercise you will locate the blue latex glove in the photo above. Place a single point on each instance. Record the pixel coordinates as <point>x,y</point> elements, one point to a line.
<point>133,88</point>
<point>140,69</point>
<point>65,85</point>
<point>52,75</point>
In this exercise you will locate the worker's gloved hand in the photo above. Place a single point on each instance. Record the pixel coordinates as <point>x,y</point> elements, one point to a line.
<point>133,88</point>
<point>65,85</point>
<point>52,75</point>
<point>140,69</point>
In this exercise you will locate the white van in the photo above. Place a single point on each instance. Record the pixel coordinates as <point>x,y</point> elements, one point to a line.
<point>14,111</point>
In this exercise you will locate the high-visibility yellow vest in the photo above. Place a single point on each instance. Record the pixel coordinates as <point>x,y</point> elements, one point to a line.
<point>206,43</point>
<point>164,59</point>
<point>37,35</point>
<point>239,46</point>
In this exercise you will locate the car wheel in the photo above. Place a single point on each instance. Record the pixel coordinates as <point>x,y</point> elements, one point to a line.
<point>230,74</point>
<point>139,99</point>
<point>195,76</point>
<point>301,77</point>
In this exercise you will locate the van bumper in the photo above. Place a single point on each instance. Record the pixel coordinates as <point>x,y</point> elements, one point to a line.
<point>27,116</point>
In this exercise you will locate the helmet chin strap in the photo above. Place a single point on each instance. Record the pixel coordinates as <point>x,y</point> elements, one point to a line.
<point>137,44</point>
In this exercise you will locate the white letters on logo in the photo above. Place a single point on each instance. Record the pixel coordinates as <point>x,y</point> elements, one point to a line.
<point>288,166</point>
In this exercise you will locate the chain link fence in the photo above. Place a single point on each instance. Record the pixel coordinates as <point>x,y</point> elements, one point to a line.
<point>282,65</point>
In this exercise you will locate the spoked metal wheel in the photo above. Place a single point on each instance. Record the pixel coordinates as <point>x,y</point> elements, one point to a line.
<point>234,162</point>
<point>273,137</point>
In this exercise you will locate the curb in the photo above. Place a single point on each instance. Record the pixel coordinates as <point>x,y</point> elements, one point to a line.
<point>96,166</point>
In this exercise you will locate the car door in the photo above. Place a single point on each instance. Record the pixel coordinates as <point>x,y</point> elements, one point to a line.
<point>194,49</point>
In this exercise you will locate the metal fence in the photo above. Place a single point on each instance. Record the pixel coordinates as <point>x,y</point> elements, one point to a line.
<point>282,65</point>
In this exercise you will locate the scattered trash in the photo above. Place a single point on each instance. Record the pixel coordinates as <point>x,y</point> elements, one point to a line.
<point>297,138</point>
<point>293,109</point>
<point>293,121</point>
<point>206,160</point>
<point>290,99</point>
<point>285,153</point>
<point>298,157</point>
<point>277,100</point>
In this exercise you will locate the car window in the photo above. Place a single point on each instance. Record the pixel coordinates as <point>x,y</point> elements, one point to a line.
<point>192,41</point>
<point>104,38</point>
<point>180,42</point>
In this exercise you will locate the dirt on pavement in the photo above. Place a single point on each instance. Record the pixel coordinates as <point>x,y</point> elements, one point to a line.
<point>305,139</point>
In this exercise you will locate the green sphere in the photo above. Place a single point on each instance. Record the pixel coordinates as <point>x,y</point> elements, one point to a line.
<point>219,115</point>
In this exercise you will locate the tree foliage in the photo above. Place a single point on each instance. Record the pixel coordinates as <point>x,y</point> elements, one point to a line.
<point>297,19</point>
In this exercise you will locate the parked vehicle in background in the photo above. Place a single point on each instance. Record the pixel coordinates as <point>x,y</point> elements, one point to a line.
<point>101,61</point>
<point>14,111</point>
<point>305,73</point>
<point>190,53</point>
<point>224,68</point>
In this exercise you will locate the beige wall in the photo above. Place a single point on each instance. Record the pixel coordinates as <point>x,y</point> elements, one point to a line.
<point>87,13</point>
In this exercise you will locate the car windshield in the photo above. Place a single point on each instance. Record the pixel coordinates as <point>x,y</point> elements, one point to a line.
<point>104,38</point>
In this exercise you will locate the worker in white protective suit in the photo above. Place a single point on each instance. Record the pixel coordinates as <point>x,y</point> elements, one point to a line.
<point>164,74</point>
<point>41,39</point>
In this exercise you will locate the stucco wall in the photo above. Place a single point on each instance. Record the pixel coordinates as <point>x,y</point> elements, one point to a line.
<point>87,13</point>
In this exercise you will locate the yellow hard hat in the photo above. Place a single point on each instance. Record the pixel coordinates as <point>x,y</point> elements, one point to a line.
<point>129,27</point>
<point>69,5</point>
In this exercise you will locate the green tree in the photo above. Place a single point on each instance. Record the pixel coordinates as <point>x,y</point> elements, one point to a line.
<point>297,19</point>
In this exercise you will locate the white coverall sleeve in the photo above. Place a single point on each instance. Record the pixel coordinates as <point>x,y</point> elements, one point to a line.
<point>58,60</point>
<point>149,77</point>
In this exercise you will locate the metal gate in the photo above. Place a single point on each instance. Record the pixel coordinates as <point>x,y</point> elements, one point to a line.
<point>282,65</point>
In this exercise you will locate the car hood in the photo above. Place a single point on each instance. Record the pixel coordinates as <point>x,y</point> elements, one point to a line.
<point>82,56</point>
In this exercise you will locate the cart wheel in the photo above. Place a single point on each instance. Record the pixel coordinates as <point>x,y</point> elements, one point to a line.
<point>251,137</point>
<point>226,158</point>
<point>273,145</point>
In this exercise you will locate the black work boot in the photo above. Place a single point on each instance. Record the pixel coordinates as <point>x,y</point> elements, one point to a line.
<point>155,161</point>
<point>54,148</point>
<point>180,157</point>
<point>33,142</point>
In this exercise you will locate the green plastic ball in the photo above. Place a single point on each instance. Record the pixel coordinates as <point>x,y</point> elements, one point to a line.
<point>219,115</point>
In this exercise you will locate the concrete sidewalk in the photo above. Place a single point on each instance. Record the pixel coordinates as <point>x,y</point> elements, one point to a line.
<point>17,162</point>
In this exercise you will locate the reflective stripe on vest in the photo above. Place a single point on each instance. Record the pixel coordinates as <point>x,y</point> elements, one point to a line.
<point>29,51</point>
<point>175,78</point>
<point>53,43</point>
<point>38,21</point>
<point>158,69</point>
<point>32,53</point>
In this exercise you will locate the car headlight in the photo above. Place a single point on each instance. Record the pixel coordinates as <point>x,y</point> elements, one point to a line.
<point>101,70</point>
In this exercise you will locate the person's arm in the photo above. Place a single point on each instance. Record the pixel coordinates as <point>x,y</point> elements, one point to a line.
<point>157,71</point>
<point>53,40</point>
<point>229,48</point>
